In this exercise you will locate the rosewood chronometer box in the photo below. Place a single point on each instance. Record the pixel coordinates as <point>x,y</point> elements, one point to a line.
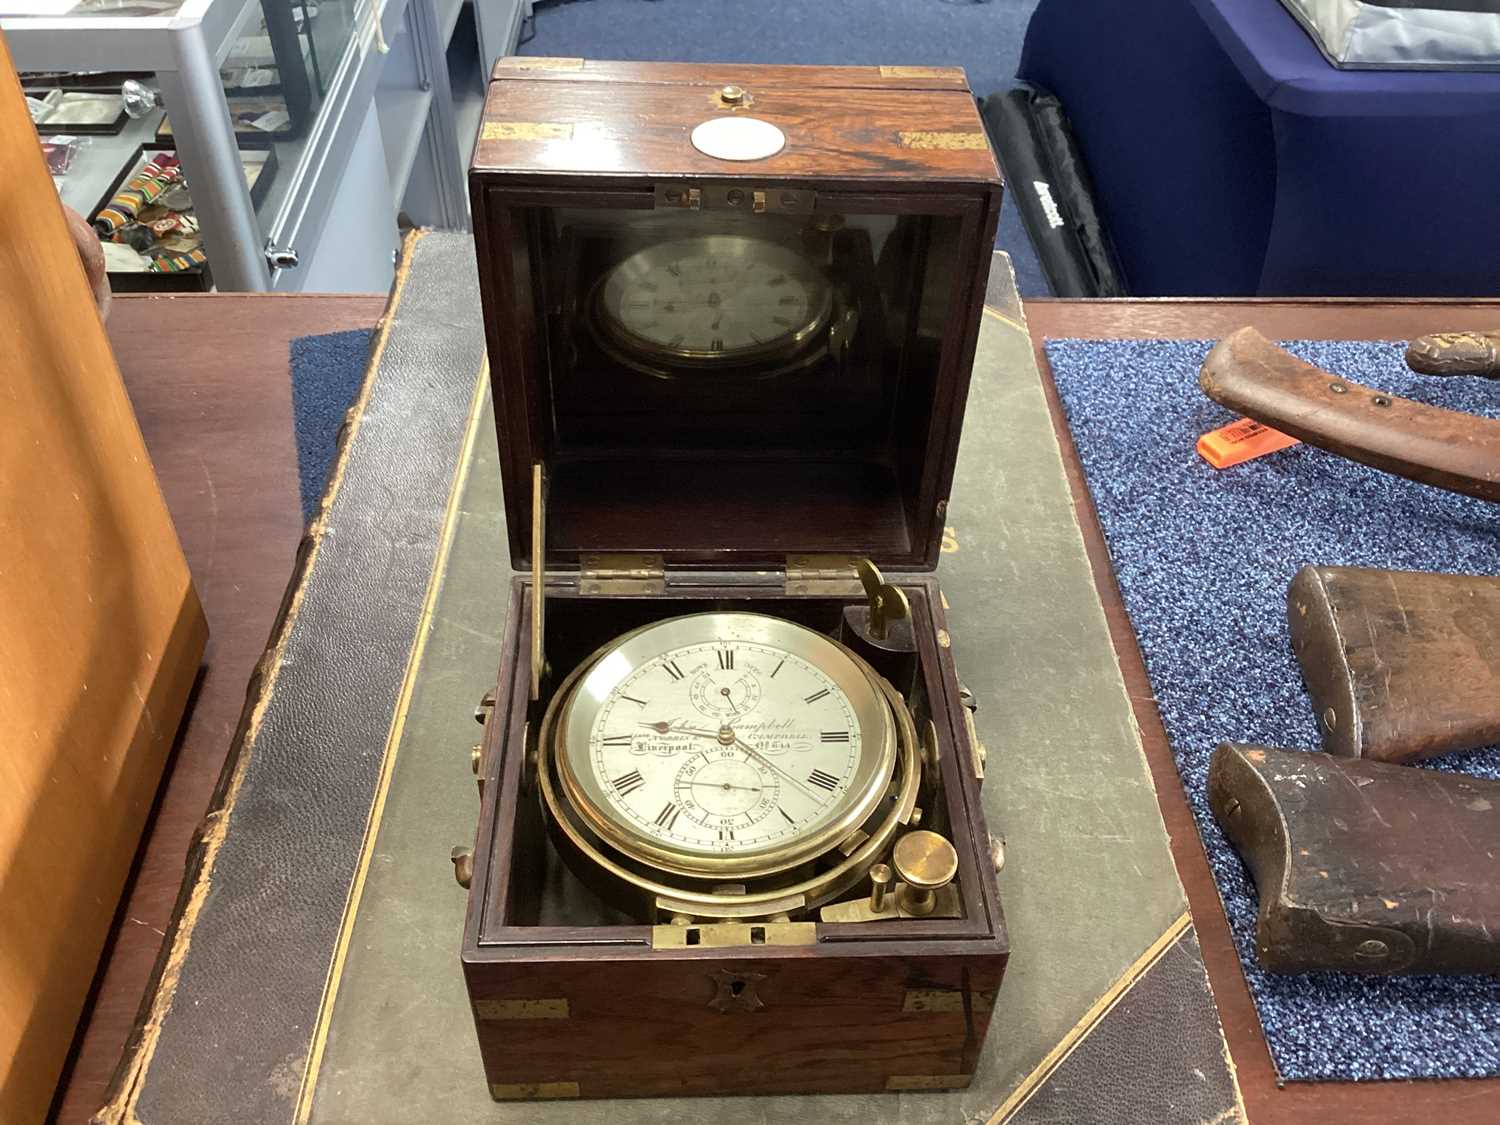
<point>731,314</point>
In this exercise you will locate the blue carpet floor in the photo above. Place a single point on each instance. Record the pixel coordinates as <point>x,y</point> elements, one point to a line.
<point>1203,559</point>
<point>984,39</point>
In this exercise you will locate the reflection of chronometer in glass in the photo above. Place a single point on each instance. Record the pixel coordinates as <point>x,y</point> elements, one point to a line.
<point>723,302</point>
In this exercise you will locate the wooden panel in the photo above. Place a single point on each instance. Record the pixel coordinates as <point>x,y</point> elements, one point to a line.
<point>802,1020</point>
<point>1453,1102</point>
<point>641,129</point>
<point>100,627</point>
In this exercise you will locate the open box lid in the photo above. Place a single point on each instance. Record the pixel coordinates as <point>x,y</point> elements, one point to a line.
<point>608,243</point>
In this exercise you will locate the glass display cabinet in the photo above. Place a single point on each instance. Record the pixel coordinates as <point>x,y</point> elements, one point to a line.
<point>259,109</point>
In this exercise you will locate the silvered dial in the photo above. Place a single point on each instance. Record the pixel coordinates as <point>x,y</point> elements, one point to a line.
<point>715,299</point>
<point>726,739</point>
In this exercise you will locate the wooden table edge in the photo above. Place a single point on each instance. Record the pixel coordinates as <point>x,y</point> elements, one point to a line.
<point>124,971</point>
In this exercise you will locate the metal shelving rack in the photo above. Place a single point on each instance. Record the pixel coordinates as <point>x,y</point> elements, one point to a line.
<point>185,47</point>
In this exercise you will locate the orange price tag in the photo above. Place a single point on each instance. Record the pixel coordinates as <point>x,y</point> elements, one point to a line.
<point>1241,441</point>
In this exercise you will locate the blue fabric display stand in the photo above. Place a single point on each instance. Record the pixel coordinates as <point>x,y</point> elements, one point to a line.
<point>1230,158</point>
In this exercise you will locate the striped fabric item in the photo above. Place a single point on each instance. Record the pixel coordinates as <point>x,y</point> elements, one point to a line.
<point>144,188</point>
<point>192,260</point>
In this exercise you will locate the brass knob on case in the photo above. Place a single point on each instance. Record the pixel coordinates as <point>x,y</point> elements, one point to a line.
<point>463,865</point>
<point>925,863</point>
<point>732,95</point>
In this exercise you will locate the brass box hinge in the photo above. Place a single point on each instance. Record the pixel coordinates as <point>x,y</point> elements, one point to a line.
<point>830,575</point>
<point>621,574</point>
<point>735,197</point>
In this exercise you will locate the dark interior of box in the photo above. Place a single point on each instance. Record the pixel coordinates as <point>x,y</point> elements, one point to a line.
<point>703,462</point>
<point>544,892</point>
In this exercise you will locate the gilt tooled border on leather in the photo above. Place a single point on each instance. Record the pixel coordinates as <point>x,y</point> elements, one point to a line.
<point>225,1032</point>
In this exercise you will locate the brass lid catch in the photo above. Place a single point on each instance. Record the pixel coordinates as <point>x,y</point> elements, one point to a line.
<point>887,602</point>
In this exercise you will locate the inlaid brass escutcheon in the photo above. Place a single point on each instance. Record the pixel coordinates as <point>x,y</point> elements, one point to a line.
<point>946,1000</point>
<point>538,62</point>
<point>526,131</point>
<point>548,1008</point>
<point>532,1091</point>
<point>736,991</point>
<point>919,72</point>
<point>949,141</point>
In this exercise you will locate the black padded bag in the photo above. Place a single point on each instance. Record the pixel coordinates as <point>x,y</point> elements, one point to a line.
<point>1050,186</point>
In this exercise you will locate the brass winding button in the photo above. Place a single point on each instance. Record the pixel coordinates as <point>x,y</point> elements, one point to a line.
<point>925,862</point>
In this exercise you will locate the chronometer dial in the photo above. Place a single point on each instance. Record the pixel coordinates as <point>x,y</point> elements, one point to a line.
<point>726,739</point>
<point>716,299</point>
<point>725,746</point>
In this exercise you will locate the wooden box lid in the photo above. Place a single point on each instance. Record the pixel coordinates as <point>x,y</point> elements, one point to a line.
<point>859,123</point>
<point>888,166</point>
